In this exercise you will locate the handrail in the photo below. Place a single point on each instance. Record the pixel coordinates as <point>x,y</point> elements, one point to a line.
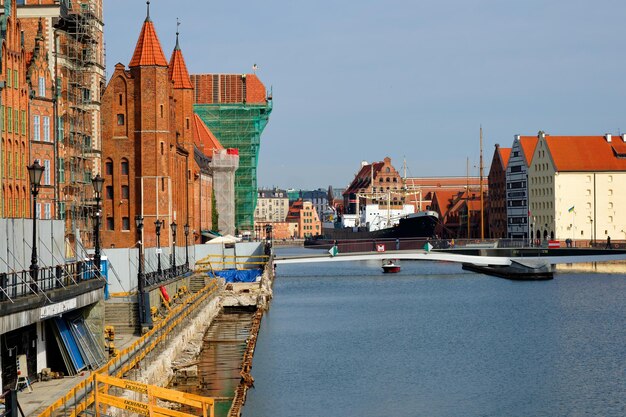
<point>130,356</point>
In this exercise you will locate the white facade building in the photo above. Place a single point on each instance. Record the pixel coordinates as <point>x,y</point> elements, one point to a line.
<point>576,187</point>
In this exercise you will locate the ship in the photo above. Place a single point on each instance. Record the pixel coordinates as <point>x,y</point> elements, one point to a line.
<point>412,225</point>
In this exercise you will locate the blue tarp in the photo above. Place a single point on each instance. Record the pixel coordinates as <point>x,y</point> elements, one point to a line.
<point>242,275</point>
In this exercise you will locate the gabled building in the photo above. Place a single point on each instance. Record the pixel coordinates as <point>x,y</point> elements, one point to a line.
<point>303,215</point>
<point>147,145</point>
<point>498,193</point>
<point>519,215</point>
<point>72,32</point>
<point>375,183</point>
<point>576,187</point>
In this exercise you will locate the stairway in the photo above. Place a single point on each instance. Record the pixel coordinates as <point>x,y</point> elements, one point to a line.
<point>123,315</point>
<point>197,282</point>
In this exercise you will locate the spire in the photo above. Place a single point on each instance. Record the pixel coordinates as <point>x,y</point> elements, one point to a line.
<point>148,11</point>
<point>178,69</point>
<point>148,50</point>
<point>177,47</point>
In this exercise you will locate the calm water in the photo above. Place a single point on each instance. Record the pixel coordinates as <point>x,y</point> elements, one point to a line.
<point>433,340</point>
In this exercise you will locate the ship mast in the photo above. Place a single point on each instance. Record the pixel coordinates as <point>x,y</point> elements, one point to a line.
<point>467,199</point>
<point>482,217</point>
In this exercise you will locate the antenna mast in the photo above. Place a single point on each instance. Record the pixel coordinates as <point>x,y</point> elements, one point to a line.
<point>467,199</point>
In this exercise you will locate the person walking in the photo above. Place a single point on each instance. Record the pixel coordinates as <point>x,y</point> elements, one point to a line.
<point>608,242</point>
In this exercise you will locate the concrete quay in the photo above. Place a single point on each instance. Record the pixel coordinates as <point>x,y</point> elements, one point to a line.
<point>155,365</point>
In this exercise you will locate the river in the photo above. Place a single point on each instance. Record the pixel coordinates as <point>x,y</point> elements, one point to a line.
<point>343,339</point>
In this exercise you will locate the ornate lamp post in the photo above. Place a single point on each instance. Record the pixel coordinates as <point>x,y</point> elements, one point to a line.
<point>140,277</point>
<point>97,183</point>
<point>158,225</point>
<point>174,226</point>
<point>186,228</point>
<point>35,171</point>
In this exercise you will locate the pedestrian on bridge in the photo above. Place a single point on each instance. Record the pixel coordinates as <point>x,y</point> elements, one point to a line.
<point>608,242</point>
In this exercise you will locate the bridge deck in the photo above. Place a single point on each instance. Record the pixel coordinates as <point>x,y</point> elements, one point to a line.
<point>536,256</point>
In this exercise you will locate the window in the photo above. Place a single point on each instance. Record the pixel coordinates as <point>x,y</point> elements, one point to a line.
<point>120,99</point>
<point>120,119</point>
<point>125,191</point>
<point>110,223</point>
<point>38,210</point>
<point>46,172</point>
<point>46,128</point>
<point>46,211</point>
<point>125,223</point>
<point>162,148</point>
<point>23,119</point>
<point>16,83</point>
<point>161,111</point>
<point>109,192</point>
<point>610,192</point>
<point>42,87</point>
<point>16,116</point>
<point>36,129</point>
<point>124,166</point>
<point>61,169</point>
<point>187,121</point>
<point>10,118</point>
<point>108,167</point>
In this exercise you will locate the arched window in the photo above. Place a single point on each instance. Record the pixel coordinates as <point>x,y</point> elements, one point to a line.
<point>108,167</point>
<point>124,166</point>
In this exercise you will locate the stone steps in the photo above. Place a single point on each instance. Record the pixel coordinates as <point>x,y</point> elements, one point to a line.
<point>124,316</point>
<point>196,282</point>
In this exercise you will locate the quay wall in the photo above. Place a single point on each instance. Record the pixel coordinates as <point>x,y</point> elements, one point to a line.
<point>124,262</point>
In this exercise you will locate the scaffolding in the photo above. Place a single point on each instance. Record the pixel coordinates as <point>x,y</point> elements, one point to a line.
<point>224,164</point>
<point>239,126</point>
<point>79,63</point>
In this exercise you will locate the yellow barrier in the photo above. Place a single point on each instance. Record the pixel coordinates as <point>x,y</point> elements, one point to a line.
<point>153,392</point>
<point>166,325</point>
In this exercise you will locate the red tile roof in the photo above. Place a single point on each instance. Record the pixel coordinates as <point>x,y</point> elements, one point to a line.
<point>586,153</point>
<point>528,144</point>
<point>505,153</point>
<point>178,70</point>
<point>363,178</point>
<point>204,139</point>
<point>148,49</point>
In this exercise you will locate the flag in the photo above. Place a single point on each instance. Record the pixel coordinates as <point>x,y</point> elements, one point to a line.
<point>428,247</point>
<point>333,251</point>
<point>570,209</point>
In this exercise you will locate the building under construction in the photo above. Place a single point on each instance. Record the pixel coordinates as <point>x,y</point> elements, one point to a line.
<point>236,108</point>
<point>74,35</point>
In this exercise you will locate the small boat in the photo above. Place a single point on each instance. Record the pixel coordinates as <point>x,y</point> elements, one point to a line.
<point>390,266</point>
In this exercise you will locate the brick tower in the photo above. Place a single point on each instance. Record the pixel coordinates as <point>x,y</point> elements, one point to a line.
<point>144,157</point>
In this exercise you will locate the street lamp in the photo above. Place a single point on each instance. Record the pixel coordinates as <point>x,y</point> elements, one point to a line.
<point>35,171</point>
<point>591,232</point>
<point>157,225</point>
<point>97,183</point>
<point>143,317</point>
<point>174,226</point>
<point>186,228</point>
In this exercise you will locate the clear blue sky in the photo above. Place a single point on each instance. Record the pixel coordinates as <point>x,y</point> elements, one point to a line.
<point>361,80</point>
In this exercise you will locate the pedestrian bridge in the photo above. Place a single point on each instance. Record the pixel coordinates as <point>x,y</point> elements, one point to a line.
<point>537,256</point>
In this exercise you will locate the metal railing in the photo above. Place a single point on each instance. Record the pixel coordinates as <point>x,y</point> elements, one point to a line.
<point>18,284</point>
<point>155,278</point>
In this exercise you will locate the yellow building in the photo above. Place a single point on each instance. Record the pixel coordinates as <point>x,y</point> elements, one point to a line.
<point>576,187</point>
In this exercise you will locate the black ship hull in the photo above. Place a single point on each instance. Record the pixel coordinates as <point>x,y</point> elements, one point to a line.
<point>413,226</point>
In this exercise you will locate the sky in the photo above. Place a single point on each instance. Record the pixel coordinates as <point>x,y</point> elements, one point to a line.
<point>413,80</point>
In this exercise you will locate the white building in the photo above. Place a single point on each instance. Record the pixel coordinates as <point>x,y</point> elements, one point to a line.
<point>576,187</point>
<point>272,206</point>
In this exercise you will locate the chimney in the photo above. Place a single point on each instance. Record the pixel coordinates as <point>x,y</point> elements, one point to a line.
<point>608,137</point>
<point>623,137</point>
<point>517,137</point>
<point>364,163</point>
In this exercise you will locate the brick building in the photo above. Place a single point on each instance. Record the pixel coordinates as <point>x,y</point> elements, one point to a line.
<point>71,32</point>
<point>303,214</point>
<point>147,144</point>
<point>498,193</point>
<point>14,95</point>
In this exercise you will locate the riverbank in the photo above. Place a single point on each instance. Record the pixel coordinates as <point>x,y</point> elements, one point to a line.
<point>152,359</point>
